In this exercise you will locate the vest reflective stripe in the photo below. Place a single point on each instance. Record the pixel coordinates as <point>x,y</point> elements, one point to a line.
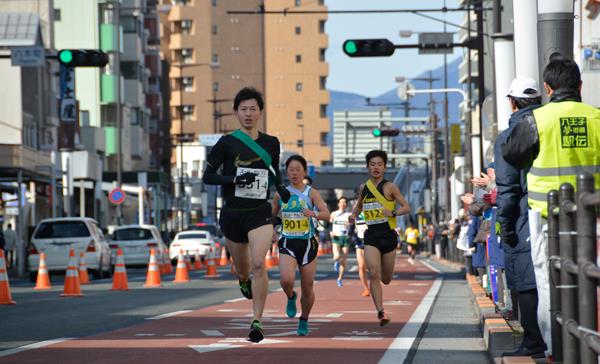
<point>569,134</point>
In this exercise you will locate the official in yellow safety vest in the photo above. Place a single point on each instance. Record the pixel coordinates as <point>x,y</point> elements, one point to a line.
<point>560,139</point>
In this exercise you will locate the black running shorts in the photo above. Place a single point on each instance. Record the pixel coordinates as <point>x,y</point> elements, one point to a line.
<point>236,223</point>
<point>385,240</point>
<point>304,250</point>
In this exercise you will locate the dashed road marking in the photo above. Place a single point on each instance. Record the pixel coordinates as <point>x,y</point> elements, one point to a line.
<point>397,303</point>
<point>418,284</point>
<point>212,332</point>
<point>37,345</point>
<point>430,266</point>
<point>356,338</point>
<point>170,314</point>
<point>213,347</point>
<point>236,300</point>
<point>144,335</point>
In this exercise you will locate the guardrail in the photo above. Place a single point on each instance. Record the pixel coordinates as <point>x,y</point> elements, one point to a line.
<point>573,271</point>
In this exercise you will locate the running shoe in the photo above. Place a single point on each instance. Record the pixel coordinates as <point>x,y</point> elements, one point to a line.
<point>383,318</point>
<point>246,288</point>
<point>290,308</point>
<point>336,266</point>
<point>256,334</point>
<point>302,327</point>
<point>339,283</point>
<point>366,293</point>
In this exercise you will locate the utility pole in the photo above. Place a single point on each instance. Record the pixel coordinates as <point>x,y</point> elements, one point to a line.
<point>447,213</point>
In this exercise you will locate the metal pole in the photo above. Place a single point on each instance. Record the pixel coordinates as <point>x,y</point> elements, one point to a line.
<point>141,205</point>
<point>20,226</point>
<point>586,258</point>
<point>53,182</point>
<point>554,274</point>
<point>480,79</point>
<point>117,71</point>
<point>467,132</point>
<point>81,198</point>
<point>181,186</point>
<point>568,287</point>
<point>433,182</point>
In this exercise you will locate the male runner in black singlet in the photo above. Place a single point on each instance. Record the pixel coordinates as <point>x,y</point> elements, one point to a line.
<point>246,217</point>
<point>377,200</point>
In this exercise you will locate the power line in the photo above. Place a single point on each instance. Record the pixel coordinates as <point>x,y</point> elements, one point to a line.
<point>286,11</point>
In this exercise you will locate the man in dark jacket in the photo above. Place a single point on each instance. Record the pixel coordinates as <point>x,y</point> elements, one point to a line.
<point>512,215</point>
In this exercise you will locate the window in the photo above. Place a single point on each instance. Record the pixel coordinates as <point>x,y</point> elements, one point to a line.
<point>215,30</point>
<point>298,86</point>
<point>321,26</point>
<point>299,115</point>
<point>215,58</point>
<point>184,167</point>
<point>188,112</point>
<point>182,2</point>
<point>321,2</point>
<point>297,2</point>
<point>322,54</point>
<point>132,234</point>
<point>300,143</point>
<point>324,138</point>
<point>323,110</point>
<point>56,14</point>
<point>186,26</point>
<point>187,55</point>
<point>62,229</point>
<point>196,165</point>
<point>187,84</point>
<point>323,82</point>
<point>298,30</point>
<point>215,87</point>
<point>298,58</point>
<point>214,2</point>
<point>129,24</point>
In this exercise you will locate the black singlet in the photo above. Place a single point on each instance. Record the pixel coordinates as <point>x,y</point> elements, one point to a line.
<point>231,153</point>
<point>367,196</point>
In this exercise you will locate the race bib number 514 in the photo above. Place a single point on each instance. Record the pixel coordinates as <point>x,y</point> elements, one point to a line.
<point>257,189</point>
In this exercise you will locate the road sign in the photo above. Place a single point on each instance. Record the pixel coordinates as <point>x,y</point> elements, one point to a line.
<point>27,56</point>
<point>67,94</point>
<point>435,43</point>
<point>116,196</point>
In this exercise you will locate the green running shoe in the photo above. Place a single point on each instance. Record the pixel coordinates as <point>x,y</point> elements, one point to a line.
<point>290,308</point>
<point>302,327</point>
<point>246,288</point>
<point>256,334</point>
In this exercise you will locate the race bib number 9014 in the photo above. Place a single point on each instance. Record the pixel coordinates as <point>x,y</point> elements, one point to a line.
<point>258,188</point>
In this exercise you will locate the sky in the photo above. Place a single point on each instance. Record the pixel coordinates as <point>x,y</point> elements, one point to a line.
<point>374,76</point>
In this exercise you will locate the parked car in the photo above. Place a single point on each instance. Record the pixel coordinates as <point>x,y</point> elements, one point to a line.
<point>214,231</point>
<point>191,242</point>
<point>136,242</point>
<point>55,237</point>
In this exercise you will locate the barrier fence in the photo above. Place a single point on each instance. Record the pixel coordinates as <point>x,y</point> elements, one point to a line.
<point>574,272</point>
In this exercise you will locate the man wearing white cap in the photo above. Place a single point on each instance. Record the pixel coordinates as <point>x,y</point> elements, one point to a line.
<point>524,97</point>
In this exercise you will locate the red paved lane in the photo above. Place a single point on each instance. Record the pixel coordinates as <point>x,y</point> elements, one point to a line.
<point>343,328</point>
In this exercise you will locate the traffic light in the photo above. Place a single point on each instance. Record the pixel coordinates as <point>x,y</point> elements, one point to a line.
<point>82,58</point>
<point>368,48</point>
<point>383,132</point>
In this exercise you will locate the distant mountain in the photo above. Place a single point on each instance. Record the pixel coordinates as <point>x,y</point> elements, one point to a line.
<point>341,101</point>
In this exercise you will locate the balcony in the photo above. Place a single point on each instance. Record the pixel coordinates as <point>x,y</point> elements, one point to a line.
<point>463,69</point>
<point>176,41</point>
<point>177,13</point>
<point>134,94</point>
<point>132,47</point>
<point>93,139</point>
<point>108,85</point>
<point>110,137</point>
<point>108,37</point>
<point>463,32</point>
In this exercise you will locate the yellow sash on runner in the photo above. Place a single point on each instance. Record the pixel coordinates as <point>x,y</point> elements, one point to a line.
<point>388,205</point>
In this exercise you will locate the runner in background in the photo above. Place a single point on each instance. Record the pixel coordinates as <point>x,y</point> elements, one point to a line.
<point>378,198</point>
<point>298,246</point>
<point>361,228</point>
<point>412,239</point>
<point>339,237</point>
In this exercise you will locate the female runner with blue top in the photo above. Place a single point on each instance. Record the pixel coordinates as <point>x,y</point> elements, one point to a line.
<point>298,246</point>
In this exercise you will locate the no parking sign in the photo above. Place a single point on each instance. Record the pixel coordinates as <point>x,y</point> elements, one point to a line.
<point>116,196</point>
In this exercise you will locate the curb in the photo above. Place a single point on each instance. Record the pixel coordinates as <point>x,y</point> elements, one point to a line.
<point>497,333</point>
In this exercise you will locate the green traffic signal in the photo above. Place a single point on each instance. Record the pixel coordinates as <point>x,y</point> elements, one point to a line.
<point>385,132</point>
<point>377,132</point>
<point>350,47</point>
<point>65,56</point>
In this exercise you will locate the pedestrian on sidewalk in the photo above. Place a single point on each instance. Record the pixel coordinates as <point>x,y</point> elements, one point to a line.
<point>10,246</point>
<point>340,227</point>
<point>298,245</point>
<point>378,199</point>
<point>250,165</point>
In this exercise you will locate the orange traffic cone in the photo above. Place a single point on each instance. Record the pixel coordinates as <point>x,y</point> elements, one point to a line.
<point>181,273</point>
<point>72,286</point>
<point>167,259</point>
<point>84,278</point>
<point>224,259</point>
<point>188,262</point>
<point>275,255</point>
<point>321,250</point>
<point>269,260</point>
<point>211,269</point>
<point>120,282</point>
<point>5,296</point>
<point>153,276</point>
<point>197,261</point>
<point>43,279</point>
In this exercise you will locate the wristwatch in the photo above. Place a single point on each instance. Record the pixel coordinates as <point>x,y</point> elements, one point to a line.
<point>394,213</point>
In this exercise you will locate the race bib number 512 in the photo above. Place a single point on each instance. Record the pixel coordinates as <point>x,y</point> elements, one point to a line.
<point>257,189</point>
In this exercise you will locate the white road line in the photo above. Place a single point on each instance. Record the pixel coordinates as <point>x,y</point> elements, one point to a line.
<point>175,335</point>
<point>398,350</point>
<point>212,332</point>
<point>37,345</point>
<point>144,335</point>
<point>356,338</point>
<point>236,300</point>
<point>170,314</point>
<point>430,266</point>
